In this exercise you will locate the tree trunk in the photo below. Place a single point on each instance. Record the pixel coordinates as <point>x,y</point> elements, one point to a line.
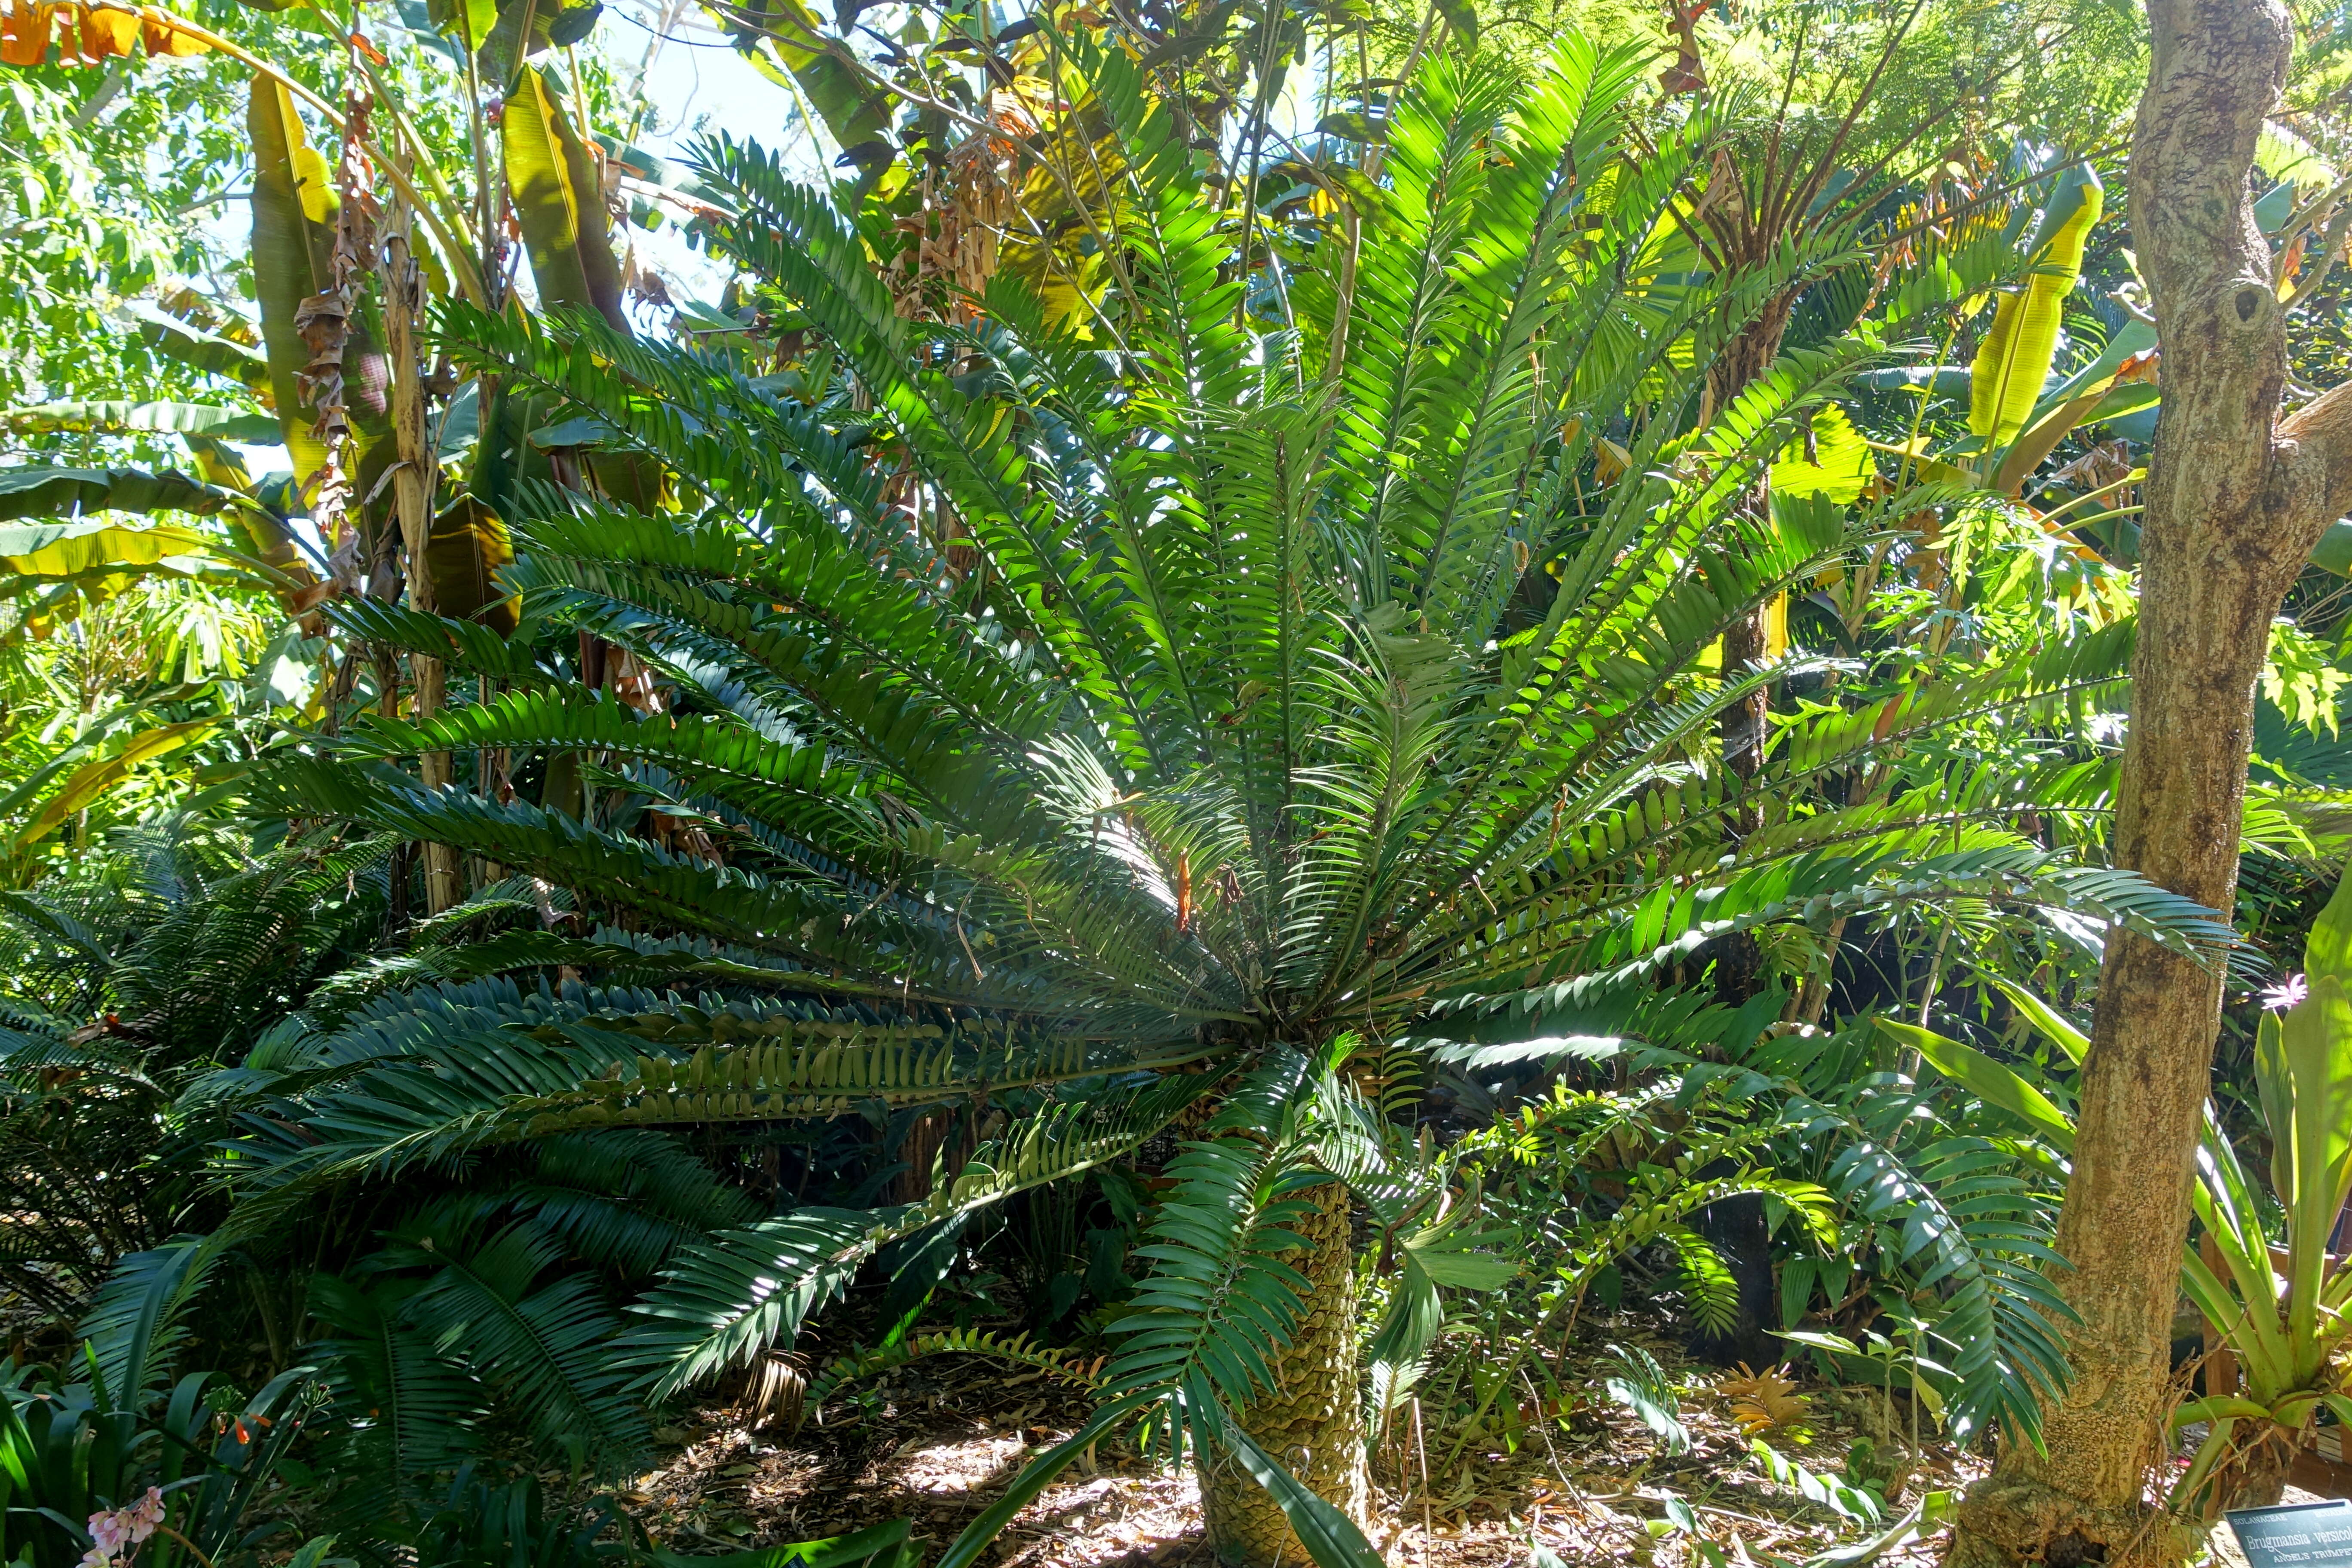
<point>1314,1423</point>
<point>2236,499</point>
<point>412,490</point>
<point>1735,1227</point>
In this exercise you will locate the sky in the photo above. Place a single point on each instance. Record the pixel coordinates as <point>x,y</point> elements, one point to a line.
<point>697,86</point>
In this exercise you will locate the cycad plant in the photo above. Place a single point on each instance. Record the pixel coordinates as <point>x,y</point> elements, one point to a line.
<point>161,957</point>
<point>1107,720</point>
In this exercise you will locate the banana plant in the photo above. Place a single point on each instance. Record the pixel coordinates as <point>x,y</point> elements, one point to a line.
<point>559,205</point>
<point>160,588</point>
<point>2014,359</point>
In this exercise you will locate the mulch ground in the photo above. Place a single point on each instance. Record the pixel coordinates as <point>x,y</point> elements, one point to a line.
<point>936,1441</point>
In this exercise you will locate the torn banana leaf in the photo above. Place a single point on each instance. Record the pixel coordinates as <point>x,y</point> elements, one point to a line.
<point>468,546</point>
<point>48,492</point>
<point>186,344</point>
<point>293,245</point>
<point>294,208</point>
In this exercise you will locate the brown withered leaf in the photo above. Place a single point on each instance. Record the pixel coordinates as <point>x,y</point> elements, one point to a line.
<point>1765,1401</point>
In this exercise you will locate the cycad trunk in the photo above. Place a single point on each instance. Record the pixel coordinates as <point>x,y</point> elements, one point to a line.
<point>1314,1423</point>
<point>1737,1227</point>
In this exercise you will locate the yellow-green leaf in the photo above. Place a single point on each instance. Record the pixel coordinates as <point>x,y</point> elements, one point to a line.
<point>1987,1080</point>
<point>559,202</point>
<point>1838,466</point>
<point>854,109</point>
<point>2005,380</point>
<point>174,418</point>
<point>90,782</point>
<point>293,206</point>
<point>63,551</point>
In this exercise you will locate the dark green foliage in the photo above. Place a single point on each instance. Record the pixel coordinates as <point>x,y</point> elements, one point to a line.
<point>1291,673</point>
<point>154,963</point>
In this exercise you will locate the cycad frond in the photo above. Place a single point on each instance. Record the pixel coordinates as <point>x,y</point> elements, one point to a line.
<point>540,1344</point>
<point>410,1408</point>
<point>724,1301</point>
<point>1063,1366</point>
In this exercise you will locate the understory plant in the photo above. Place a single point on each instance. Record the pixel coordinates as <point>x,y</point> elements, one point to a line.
<point>166,952</point>
<point>1099,728</point>
<point>185,1457</point>
<point>2275,1303</point>
<point>2280,1309</point>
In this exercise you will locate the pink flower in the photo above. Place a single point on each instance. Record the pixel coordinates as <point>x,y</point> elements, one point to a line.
<point>109,1531</point>
<point>2288,993</point>
<point>145,1514</point>
<point>112,1530</point>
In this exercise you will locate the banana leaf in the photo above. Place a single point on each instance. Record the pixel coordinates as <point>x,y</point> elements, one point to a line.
<point>2013,361</point>
<point>293,246</point>
<point>65,552</point>
<point>93,560</point>
<point>90,782</point>
<point>2103,400</point>
<point>53,492</point>
<point>261,526</point>
<point>2134,337</point>
<point>1839,464</point>
<point>1950,380</point>
<point>161,418</point>
<point>51,573</point>
<point>559,200</point>
<point>463,19</point>
<point>186,344</point>
<point>2334,551</point>
<point>503,48</point>
<point>463,553</point>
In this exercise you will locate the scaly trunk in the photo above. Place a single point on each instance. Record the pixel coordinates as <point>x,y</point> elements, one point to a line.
<point>1314,1423</point>
<point>1736,1227</point>
<point>2236,499</point>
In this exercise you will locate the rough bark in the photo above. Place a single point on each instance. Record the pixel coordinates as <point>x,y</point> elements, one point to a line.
<point>1314,1422</point>
<point>2236,499</point>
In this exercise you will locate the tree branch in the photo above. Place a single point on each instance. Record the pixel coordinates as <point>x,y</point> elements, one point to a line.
<point>2314,449</point>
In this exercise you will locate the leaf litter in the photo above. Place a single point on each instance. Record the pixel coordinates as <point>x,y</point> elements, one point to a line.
<point>1589,1482</point>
